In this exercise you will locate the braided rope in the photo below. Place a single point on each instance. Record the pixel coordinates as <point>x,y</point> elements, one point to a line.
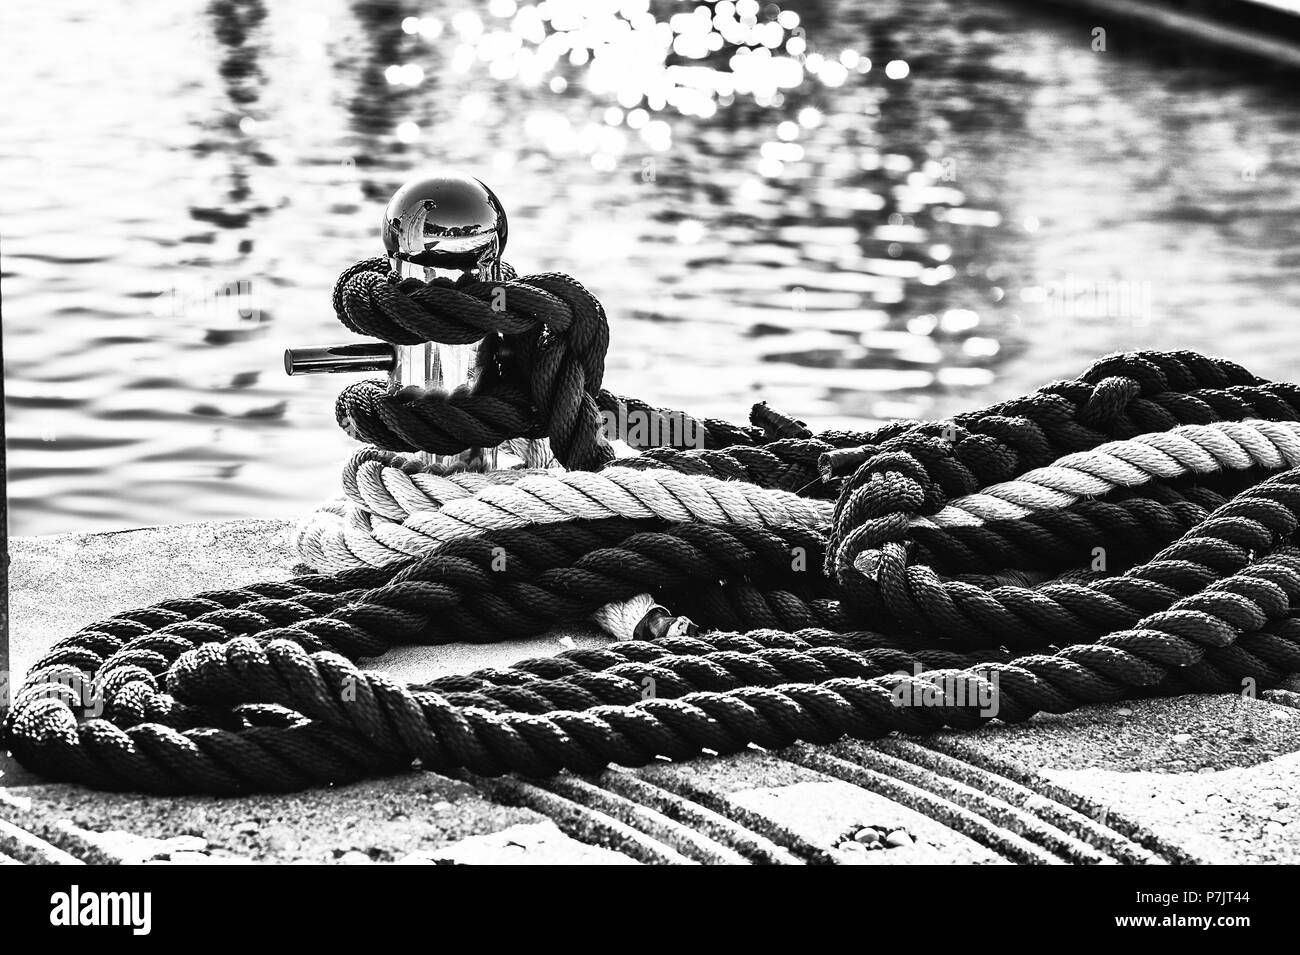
<point>1190,449</point>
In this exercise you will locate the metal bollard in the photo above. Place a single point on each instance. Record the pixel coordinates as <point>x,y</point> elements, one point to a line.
<point>446,226</point>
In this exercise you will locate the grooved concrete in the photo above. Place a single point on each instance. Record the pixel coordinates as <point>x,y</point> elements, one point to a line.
<point>1196,778</point>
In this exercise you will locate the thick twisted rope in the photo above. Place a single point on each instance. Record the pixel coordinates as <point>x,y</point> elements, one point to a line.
<point>1119,396</point>
<point>354,536</point>
<point>393,486</point>
<point>235,691</point>
<point>436,508</point>
<point>305,717</point>
<point>1189,449</point>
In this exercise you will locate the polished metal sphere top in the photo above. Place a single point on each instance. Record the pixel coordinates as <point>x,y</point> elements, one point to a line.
<point>447,221</point>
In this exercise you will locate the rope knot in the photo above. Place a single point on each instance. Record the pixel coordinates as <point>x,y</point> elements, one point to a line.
<point>876,508</point>
<point>1110,399</point>
<point>1138,366</point>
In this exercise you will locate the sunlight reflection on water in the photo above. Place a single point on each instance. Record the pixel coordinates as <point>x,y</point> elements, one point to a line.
<point>852,213</point>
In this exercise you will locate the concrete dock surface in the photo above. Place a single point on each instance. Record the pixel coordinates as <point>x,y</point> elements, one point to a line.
<point>1190,779</point>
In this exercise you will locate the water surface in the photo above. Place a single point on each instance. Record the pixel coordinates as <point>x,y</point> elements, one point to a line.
<point>876,210</point>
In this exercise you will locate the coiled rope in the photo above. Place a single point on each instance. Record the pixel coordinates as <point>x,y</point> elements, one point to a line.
<point>965,550</point>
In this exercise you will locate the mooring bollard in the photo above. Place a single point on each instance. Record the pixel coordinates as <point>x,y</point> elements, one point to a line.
<point>445,226</point>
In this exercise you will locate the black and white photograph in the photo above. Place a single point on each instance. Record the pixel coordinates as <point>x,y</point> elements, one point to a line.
<point>639,432</point>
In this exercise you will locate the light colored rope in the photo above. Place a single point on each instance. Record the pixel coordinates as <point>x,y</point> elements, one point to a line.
<point>1189,449</point>
<point>395,485</point>
<point>342,534</point>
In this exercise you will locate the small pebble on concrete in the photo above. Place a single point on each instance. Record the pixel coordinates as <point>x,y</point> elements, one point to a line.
<point>871,838</point>
<point>899,838</point>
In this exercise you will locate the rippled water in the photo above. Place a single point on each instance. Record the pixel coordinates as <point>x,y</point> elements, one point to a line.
<point>941,204</point>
